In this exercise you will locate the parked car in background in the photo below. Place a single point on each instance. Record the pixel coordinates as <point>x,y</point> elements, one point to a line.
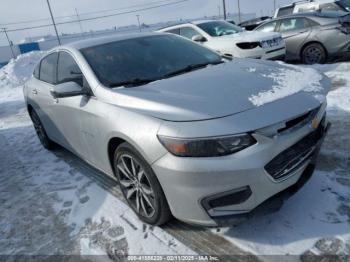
<point>313,37</point>
<point>312,6</point>
<point>254,23</point>
<point>182,131</point>
<point>231,40</point>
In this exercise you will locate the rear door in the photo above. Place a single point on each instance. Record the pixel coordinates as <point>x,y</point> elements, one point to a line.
<point>41,94</point>
<point>295,32</point>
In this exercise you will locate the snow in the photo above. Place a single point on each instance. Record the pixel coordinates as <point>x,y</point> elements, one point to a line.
<point>66,212</point>
<point>339,99</point>
<point>289,80</point>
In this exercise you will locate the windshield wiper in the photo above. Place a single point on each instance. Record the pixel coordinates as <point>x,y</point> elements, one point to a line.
<point>133,82</point>
<point>139,81</point>
<point>190,68</point>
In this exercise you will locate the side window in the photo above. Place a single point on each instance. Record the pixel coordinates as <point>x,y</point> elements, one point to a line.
<point>188,32</point>
<point>269,27</point>
<point>68,70</point>
<point>48,68</point>
<point>175,31</point>
<point>293,24</point>
<point>36,72</point>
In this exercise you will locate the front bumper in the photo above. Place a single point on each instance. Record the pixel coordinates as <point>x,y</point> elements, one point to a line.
<point>189,182</point>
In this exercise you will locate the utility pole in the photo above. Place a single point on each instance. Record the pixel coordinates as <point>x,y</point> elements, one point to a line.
<point>80,25</point>
<point>239,12</point>
<point>138,21</point>
<point>10,43</point>
<point>219,8</point>
<point>274,5</point>
<point>224,8</point>
<point>53,22</point>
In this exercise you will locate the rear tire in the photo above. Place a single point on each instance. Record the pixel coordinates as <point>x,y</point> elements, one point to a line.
<point>140,186</point>
<point>314,53</point>
<point>41,132</point>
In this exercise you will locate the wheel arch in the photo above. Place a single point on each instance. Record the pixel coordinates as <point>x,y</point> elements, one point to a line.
<point>113,144</point>
<point>309,43</point>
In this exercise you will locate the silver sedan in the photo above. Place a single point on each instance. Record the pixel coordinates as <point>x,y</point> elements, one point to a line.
<point>313,37</point>
<point>176,125</point>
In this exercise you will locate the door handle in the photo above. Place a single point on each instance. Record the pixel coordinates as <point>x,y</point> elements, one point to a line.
<point>34,92</point>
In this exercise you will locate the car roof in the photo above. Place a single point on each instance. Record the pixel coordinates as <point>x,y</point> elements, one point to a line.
<point>314,14</point>
<point>107,39</point>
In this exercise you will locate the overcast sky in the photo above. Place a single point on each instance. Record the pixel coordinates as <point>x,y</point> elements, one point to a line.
<point>23,10</point>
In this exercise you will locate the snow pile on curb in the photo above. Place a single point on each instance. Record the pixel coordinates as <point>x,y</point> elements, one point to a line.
<point>289,82</point>
<point>19,70</point>
<point>340,97</point>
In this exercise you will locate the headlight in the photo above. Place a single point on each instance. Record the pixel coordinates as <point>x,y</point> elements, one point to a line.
<point>207,147</point>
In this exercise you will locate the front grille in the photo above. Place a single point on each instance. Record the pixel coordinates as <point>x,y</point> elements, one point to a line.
<point>295,156</point>
<point>299,120</point>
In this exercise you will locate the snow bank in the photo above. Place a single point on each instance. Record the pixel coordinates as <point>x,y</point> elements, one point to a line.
<point>19,70</point>
<point>339,98</point>
<point>289,80</point>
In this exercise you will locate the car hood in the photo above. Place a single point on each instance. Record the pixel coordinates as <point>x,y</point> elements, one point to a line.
<point>221,90</point>
<point>250,36</point>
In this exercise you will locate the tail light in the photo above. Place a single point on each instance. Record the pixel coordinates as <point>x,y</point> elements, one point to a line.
<point>345,24</point>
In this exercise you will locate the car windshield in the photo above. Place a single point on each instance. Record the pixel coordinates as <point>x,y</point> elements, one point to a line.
<point>219,28</point>
<point>345,4</point>
<point>146,59</point>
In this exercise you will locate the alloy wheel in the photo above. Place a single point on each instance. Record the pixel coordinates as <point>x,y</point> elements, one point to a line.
<point>313,55</point>
<point>135,185</point>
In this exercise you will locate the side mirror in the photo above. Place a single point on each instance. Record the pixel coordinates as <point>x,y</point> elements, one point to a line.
<point>199,38</point>
<point>68,89</point>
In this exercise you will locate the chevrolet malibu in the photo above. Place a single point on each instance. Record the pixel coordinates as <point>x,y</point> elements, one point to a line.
<point>184,132</point>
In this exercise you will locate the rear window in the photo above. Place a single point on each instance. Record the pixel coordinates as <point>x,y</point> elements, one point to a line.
<point>48,68</point>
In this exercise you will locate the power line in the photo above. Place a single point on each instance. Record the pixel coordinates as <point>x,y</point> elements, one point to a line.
<point>82,14</point>
<point>99,17</point>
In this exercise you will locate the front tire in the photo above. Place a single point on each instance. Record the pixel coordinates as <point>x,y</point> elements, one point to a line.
<point>314,53</point>
<point>140,186</point>
<point>41,132</point>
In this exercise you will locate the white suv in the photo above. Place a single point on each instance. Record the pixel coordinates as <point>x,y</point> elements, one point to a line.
<point>231,40</point>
